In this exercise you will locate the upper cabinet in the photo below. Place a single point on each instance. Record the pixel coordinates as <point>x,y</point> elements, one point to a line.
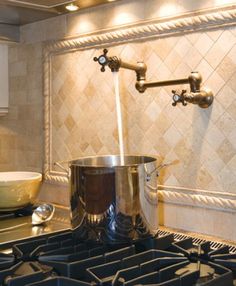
<point>4,91</point>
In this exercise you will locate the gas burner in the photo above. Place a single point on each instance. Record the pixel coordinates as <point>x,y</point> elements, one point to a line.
<point>227,260</point>
<point>24,273</point>
<point>206,272</point>
<point>191,250</point>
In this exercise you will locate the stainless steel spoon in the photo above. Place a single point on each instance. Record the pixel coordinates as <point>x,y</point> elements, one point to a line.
<point>42,214</point>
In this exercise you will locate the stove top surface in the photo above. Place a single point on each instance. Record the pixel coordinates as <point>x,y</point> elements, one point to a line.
<point>17,226</point>
<point>72,258</point>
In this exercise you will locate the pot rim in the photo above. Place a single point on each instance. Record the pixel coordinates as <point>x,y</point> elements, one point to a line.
<point>115,162</point>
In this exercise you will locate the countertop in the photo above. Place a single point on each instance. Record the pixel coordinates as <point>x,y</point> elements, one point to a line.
<point>20,228</point>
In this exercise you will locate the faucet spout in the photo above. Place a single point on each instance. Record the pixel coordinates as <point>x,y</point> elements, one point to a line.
<point>115,63</point>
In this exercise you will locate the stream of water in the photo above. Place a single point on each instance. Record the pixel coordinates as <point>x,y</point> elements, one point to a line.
<point>119,116</point>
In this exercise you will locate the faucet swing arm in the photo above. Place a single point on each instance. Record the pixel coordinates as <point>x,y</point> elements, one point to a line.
<point>202,97</point>
<point>194,80</point>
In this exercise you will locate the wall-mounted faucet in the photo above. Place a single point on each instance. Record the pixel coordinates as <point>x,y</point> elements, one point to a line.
<point>197,95</point>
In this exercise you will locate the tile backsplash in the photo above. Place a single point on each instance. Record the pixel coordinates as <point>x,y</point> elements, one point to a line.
<point>201,142</point>
<point>21,131</point>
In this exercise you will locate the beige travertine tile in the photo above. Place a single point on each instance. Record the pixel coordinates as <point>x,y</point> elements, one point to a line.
<point>232,83</point>
<point>161,146</point>
<point>215,34</point>
<point>232,54</point>
<point>212,162</point>
<point>162,48</point>
<point>193,58</point>
<point>183,46</point>
<point>225,96</point>
<point>204,177</point>
<point>216,81</point>
<point>180,72</point>
<point>21,130</point>
<point>231,110</point>
<point>232,164</point>
<point>215,55</point>
<point>167,216</point>
<point>70,123</point>
<point>178,122</point>
<point>227,179</point>
<point>226,124</point>
<point>226,68</point>
<point>203,44</point>
<point>18,68</point>
<point>172,136</point>
<point>226,151</point>
<point>205,70</point>
<point>153,111</point>
<point>193,37</point>
<point>173,60</point>
<point>214,136</point>
<point>226,40</point>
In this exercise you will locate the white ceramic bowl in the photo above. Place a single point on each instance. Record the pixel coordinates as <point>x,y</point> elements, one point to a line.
<point>18,189</point>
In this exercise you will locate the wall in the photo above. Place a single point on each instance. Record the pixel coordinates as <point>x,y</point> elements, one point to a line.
<point>201,140</point>
<point>21,131</point>
<point>112,15</point>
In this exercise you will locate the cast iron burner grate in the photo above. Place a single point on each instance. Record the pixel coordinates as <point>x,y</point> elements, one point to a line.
<point>166,259</point>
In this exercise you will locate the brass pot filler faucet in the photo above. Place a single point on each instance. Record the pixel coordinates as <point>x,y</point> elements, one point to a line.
<point>202,97</point>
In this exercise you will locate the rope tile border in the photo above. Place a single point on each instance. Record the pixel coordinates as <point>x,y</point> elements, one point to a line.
<point>194,198</point>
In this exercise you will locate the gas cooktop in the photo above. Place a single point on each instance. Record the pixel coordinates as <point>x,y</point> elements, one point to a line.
<point>71,259</point>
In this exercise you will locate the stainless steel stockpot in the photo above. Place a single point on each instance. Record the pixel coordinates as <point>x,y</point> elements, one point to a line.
<point>108,197</point>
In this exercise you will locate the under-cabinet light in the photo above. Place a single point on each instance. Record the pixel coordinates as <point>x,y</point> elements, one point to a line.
<point>72,7</point>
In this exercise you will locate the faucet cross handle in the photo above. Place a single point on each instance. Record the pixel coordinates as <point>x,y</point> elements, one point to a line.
<point>103,60</point>
<point>179,97</point>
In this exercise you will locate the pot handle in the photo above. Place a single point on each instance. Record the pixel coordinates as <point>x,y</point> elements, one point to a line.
<point>151,188</point>
<point>149,174</point>
<point>159,167</point>
<point>59,164</point>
